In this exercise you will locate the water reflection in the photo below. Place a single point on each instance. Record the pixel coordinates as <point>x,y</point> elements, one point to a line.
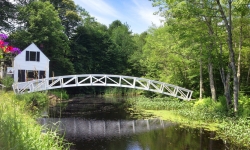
<point>153,134</point>
<point>78,128</point>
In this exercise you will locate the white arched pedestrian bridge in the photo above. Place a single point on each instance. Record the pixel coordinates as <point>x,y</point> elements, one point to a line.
<point>102,80</point>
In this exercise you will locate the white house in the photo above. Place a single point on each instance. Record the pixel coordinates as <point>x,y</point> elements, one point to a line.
<point>30,64</point>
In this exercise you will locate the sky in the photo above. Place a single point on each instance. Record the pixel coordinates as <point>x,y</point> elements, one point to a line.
<point>138,14</point>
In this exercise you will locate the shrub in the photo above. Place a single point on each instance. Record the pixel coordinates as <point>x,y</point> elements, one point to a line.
<point>244,106</point>
<point>61,93</point>
<point>36,101</point>
<point>7,81</point>
<point>207,109</point>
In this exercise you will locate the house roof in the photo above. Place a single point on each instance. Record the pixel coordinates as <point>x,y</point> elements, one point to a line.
<point>31,47</point>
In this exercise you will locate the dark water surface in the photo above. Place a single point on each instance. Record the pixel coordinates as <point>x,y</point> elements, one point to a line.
<point>96,124</point>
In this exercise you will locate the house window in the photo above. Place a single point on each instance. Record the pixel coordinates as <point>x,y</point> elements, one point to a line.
<point>31,75</point>
<point>21,75</point>
<point>42,74</point>
<point>28,75</point>
<point>32,56</point>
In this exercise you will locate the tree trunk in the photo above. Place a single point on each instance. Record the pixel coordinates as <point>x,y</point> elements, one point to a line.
<point>248,74</point>
<point>210,65</point>
<point>226,81</point>
<point>201,77</point>
<point>211,80</point>
<point>228,23</point>
<point>239,57</point>
<point>227,91</point>
<point>226,85</point>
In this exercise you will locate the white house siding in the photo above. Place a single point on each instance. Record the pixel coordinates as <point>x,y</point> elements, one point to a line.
<point>20,62</point>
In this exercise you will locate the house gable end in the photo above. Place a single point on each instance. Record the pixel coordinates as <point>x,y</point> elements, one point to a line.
<point>32,47</point>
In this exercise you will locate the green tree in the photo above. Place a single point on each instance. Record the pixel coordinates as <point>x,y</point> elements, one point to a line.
<point>7,15</point>
<point>122,46</point>
<point>136,69</point>
<point>67,11</point>
<point>228,24</point>
<point>43,27</point>
<point>86,18</point>
<point>217,17</point>
<point>90,50</point>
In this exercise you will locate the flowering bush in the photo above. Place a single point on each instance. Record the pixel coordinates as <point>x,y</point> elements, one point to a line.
<point>5,47</point>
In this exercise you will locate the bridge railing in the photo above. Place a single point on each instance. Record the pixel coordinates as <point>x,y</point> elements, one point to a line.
<point>102,80</point>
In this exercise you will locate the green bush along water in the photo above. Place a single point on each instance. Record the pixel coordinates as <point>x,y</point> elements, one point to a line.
<point>61,93</point>
<point>205,113</point>
<point>117,91</point>
<point>18,127</point>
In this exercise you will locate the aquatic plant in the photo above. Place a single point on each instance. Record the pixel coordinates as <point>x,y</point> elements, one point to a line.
<point>235,131</point>
<point>158,103</point>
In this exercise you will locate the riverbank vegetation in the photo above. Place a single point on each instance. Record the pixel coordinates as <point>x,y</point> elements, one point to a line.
<point>203,113</point>
<point>19,129</point>
<point>201,45</point>
<point>118,92</point>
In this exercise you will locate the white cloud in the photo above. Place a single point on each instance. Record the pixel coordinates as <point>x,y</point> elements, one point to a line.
<point>146,12</point>
<point>138,14</point>
<point>99,7</point>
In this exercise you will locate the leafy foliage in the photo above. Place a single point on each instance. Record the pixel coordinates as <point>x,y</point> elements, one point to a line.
<point>36,101</point>
<point>7,13</point>
<point>7,82</point>
<point>19,129</point>
<point>67,11</point>
<point>244,105</point>
<point>61,93</point>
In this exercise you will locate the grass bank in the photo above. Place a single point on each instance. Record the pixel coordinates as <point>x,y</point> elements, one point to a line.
<point>170,115</point>
<point>19,129</point>
<point>204,113</point>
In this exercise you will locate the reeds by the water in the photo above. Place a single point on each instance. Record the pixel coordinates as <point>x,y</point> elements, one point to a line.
<point>19,129</point>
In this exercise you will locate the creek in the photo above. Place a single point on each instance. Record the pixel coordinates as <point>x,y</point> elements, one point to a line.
<point>94,123</point>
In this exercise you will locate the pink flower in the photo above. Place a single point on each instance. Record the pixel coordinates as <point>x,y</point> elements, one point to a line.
<point>1,43</point>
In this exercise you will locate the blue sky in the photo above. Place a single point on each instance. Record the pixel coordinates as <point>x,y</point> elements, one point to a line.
<point>138,14</point>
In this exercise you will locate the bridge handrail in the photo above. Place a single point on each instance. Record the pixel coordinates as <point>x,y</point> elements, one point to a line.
<point>102,80</point>
<point>2,85</point>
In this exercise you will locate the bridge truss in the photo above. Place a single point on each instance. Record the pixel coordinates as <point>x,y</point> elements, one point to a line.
<point>102,80</point>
